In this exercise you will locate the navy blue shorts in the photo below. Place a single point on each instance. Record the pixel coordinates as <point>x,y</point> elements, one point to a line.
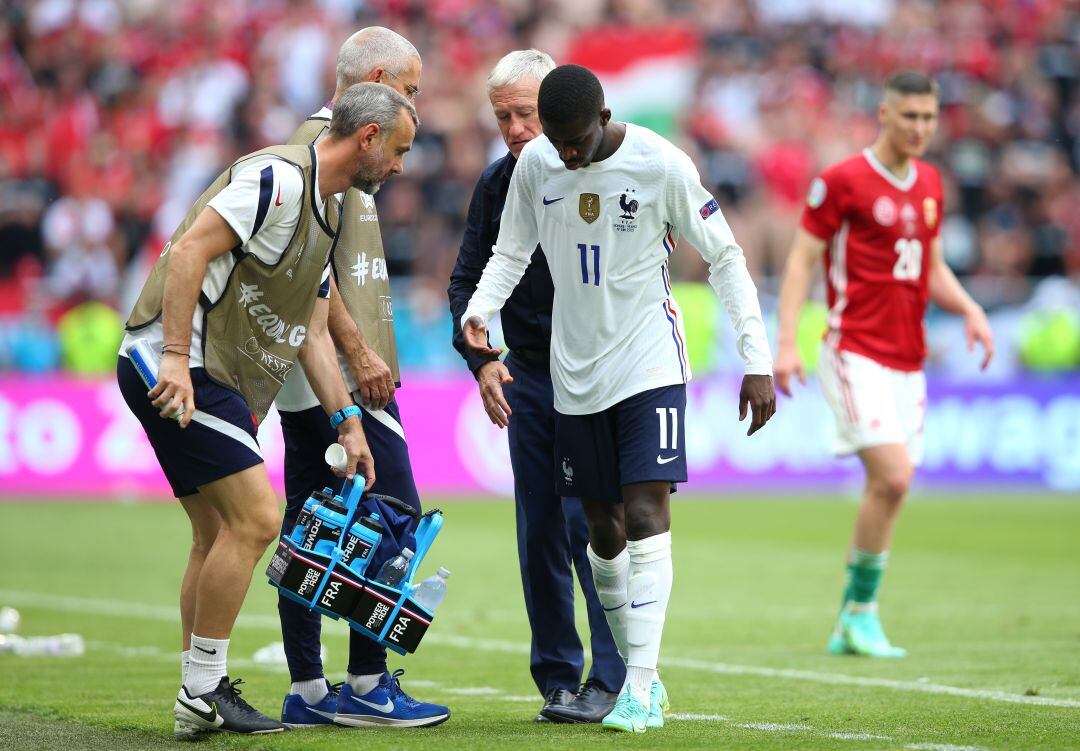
<point>640,439</point>
<point>218,442</point>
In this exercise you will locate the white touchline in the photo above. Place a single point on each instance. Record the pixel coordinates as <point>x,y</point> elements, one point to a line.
<point>170,614</point>
<point>498,695</point>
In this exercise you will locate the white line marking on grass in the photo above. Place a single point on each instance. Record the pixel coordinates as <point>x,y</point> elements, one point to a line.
<point>142,652</point>
<point>869,682</point>
<point>522,699</point>
<point>170,614</point>
<point>772,727</point>
<point>473,691</point>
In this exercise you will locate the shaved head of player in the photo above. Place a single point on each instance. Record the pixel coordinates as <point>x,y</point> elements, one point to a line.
<point>574,118</point>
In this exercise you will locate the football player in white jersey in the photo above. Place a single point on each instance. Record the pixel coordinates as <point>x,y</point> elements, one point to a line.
<point>607,202</point>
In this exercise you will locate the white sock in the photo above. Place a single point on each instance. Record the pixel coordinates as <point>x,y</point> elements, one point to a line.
<point>185,661</point>
<point>312,691</point>
<point>207,666</point>
<point>610,578</point>
<point>648,591</point>
<point>363,684</point>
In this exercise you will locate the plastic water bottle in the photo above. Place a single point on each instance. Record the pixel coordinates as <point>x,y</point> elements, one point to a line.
<point>393,572</point>
<point>432,590</point>
<point>64,645</point>
<point>9,620</point>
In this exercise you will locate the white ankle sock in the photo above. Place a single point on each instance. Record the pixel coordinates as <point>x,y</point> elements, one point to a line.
<point>185,661</point>
<point>648,592</point>
<point>207,666</point>
<point>610,578</point>
<point>312,691</point>
<point>363,684</point>
<point>640,681</point>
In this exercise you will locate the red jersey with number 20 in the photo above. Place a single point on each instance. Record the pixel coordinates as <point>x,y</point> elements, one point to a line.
<point>879,229</point>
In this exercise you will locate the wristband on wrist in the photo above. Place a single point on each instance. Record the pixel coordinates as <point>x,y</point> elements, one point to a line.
<point>171,348</point>
<point>344,414</point>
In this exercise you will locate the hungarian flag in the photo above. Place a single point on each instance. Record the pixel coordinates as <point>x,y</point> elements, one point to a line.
<point>648,74</point>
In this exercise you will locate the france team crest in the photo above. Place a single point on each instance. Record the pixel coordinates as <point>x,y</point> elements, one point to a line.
<point>709,209</point>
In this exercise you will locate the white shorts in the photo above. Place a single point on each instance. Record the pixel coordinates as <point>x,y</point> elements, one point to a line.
<point>874,405</point>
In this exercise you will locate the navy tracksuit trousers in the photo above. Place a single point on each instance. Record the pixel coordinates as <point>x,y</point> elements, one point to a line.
<point>307,434</point>
<point>552,537</point>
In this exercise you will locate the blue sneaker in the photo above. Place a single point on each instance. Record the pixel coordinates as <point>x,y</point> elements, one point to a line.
<point>297,713</point>
<point>387,705</point>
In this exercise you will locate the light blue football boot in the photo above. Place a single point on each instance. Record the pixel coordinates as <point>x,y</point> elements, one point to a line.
<point>658,704</point>
<point>859,632</point>
<point>629,714</point>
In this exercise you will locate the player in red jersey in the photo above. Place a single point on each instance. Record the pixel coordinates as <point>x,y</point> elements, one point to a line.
<point>879,215</point>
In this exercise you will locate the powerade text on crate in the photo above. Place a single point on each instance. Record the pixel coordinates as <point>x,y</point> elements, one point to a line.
<point>324,564</point>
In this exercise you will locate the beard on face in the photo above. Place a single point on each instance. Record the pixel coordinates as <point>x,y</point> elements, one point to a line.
<point>369,177</point>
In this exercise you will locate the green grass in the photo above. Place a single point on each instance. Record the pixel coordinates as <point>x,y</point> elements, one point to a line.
<point>984,591</point>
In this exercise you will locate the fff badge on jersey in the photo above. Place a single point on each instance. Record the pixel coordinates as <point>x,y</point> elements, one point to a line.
<point>589,207</point>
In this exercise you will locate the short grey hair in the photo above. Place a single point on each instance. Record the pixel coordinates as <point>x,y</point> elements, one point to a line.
<point>365,103</point>
<point>371,48</point>
<point>517,65</point>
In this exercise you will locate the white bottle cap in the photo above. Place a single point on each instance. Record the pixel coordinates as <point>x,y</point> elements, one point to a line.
<point>407,552</point>
<point>336,457</point>
<point>443,572</point>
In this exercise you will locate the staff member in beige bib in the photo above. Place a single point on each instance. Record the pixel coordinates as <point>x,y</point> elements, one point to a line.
<point>362,326</point>
<point>236,298</point>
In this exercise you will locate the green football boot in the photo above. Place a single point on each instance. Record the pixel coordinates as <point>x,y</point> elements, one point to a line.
<point>629,714</point>
<point>658,704</point>
<point>860,633</point>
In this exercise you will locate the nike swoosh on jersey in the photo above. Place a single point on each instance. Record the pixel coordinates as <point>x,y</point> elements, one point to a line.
<point>608,610</point>
<point>662,460</point>
<point>387,707</point>
<point>277,201</point>
<point>553,200</point>
<point>202,714</point>
<point>641,604</point>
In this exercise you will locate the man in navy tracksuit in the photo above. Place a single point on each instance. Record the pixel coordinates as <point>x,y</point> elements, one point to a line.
<point>551,530</point>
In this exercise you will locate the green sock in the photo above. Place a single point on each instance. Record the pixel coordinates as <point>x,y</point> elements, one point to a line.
<point>864,576</point>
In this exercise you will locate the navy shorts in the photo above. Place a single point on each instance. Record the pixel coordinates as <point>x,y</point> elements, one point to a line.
<point>218,442</point>
<point>640,439</point>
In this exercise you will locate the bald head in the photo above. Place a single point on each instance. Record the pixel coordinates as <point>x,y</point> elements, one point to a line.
<point>379,54</point>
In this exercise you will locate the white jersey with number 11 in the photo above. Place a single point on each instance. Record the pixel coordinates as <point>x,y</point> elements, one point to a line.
<point>607,231</point>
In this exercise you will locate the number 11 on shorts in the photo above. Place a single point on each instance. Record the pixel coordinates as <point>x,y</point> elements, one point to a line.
<point>663,413</point>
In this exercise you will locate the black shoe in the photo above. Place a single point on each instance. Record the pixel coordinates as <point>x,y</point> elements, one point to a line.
<point>591,704</point>
<point>221,709</point>
<point>556,697</point>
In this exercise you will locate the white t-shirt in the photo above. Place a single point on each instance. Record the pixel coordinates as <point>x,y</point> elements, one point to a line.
<point>296,393</point>
<point>607,231</point>
<point>262,204</point>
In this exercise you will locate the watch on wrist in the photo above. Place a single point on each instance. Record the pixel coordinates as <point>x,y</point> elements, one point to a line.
<point>344,414</point>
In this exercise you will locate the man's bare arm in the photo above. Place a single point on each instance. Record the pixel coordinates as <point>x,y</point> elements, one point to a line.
<point>806,251</point>
<point>374,379</point>
<point>209,237</point>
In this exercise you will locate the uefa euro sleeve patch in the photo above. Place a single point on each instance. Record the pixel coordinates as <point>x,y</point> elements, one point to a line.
<point>709,209</point>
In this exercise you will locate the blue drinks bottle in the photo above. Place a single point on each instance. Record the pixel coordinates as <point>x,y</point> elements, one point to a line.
<point>304,519</point>
<point>360,543</point>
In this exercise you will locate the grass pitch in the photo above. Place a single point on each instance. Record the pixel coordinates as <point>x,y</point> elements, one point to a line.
<point>984,592</point>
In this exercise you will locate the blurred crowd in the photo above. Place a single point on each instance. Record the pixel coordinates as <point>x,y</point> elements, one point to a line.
<point>116,114</point>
